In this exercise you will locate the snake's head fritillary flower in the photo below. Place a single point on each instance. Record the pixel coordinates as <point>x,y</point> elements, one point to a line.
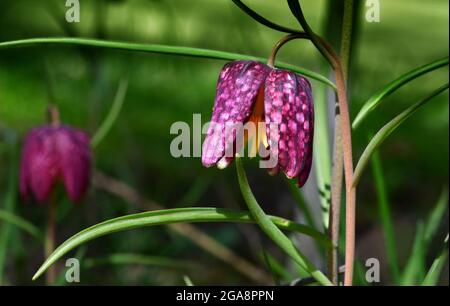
<point>249,91</point>
<point>53,154</point>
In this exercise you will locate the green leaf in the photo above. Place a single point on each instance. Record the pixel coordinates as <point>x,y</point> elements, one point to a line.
<point>416,261</point>
<point>436,216</point>
<point>113,114</point>
<point>387,130</point>
<point>168,216</point>
<point>22,224</point>
<point>272,231</point>
<point>385,217</point>
<point>432,277</point>
<point>10,202</point>
<point>156,48</point>
<point>187,280</point>
<point>425,233</point>
<point>372,103</point>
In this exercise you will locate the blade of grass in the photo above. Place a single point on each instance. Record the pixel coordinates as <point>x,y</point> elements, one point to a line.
<point>415,266</point>
<point>272,231</point>
<point>302,205</point>
<point>387,130</point>
<point>204,241</point>
<point>168,216</point>
<point>436,216</point>
<point>374,101</point>
<point>276,267</point>
<point>187,280</point>
<point>416,261</point>
<point>112,115</point>
<point>432,277</point>
<point>9,201</point>
<point>22,224</point>
<point>384,211</point>
<point>156,48</point>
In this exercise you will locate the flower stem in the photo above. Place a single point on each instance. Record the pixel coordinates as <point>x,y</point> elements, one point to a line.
<point>335,62</point>
<point>337,171</point>
<point>50,238</point>
<point>53,116</point>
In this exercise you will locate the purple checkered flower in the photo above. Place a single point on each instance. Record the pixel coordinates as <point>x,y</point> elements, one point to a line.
<point>249,91</point>
<point>53,154</point>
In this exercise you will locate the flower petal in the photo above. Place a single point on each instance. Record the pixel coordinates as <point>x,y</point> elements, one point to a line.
<point>304,173</point>
<point>288,104</point>
<point>74,151</point>
<point>236,92</point>
<point>39,166</point>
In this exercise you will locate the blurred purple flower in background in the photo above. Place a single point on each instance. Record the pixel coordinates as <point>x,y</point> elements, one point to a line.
<point>51,154</point>
<point>250,91</point>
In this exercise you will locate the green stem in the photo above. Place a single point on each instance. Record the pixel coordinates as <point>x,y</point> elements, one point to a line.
<point>113,114</point>
<point>272,231</point>
<point>156,48</point>
<point>385,217</point>
<point>334,60</point>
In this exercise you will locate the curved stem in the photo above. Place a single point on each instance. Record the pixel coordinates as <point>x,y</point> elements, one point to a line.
<point>156,48</point>
<point>271,230</point>
<point>328,52</point>
<point>281,42</point>
<point>263,20</point>
<point>337,171</point>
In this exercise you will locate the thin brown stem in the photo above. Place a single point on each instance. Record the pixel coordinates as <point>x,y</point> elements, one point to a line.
<point>337,172</point>
<point>53,116</point>
<point>280,43</point>
<point>334,60</point>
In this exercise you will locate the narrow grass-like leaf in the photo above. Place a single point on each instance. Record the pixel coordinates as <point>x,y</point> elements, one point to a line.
<point>415,265</point>
<point>9,204</point>
<point>156,48</point>
<point>268,226</point>
<point>374,101</point>
<point>385,217</point>
<point>187,280</point>
<point>302,205</point>
<point>276,267</point>
<point>22,224</point>
<point>436,217</point>
<point>112,115</point>
<point>432,277</point>
<point>321,152</point>
<point>168,216</point>
<point>387,130</point>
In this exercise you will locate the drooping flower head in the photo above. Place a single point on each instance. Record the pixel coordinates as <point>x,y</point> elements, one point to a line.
<point>249,91</point>
<point>51,154</point>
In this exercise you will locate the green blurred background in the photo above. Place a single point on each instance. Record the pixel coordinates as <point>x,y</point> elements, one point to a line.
<point>164,89</point>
